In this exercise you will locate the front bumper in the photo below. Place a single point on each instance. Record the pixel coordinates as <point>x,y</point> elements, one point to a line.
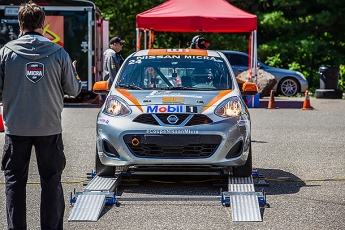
<point>223,143</point>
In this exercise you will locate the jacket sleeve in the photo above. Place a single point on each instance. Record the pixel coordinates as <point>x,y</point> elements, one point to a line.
<point>110,70</point>
<point>70,80</point>
<point>2,71</point>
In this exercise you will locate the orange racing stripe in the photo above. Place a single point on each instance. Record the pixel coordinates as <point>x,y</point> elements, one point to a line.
<point>155,52</point>
<point>216,98</point>
<point>130,97</point>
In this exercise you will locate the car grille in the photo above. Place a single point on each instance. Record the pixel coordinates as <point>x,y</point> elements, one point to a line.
<point>172,146</point>
<point>162,118</point>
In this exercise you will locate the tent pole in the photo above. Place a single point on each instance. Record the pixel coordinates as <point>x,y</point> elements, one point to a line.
<point>255,57</point>
<point>137,39</point>
<point>145,39</point>
<point>152,38</point>
<point>250,56</point>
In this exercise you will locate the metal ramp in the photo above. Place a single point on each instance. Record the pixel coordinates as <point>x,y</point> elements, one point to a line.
<point>241,196</point>
<point>244,201</point>
<point>90,203</point>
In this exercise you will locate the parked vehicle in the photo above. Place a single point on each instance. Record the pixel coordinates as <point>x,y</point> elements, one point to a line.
<point>289,82</point>
<point>174,108</point>
<point>76,25</point>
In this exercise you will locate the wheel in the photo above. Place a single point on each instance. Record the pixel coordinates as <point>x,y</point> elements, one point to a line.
<point>288,87</point>
<point>103,170</point>
<point>245,170</point>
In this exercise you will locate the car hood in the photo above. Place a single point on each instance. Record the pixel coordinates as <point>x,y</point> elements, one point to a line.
<point>279,71</point>
<point>202,99</point>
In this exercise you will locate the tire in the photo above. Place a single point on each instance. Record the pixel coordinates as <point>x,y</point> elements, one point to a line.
<point>289,87</point>
<point>103,170</point>
<point>245,170</point>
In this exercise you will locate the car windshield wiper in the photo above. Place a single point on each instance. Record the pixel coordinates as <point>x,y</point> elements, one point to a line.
<point>177,88</point>
<point>126,86</point>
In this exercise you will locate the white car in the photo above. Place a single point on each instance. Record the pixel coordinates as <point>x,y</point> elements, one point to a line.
<point>173,109</point>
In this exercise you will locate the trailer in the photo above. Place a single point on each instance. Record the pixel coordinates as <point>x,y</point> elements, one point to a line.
<point>246,204</point>
<point>76,25</point>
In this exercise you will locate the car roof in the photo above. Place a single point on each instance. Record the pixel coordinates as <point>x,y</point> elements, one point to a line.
<point>232,52</point>
<point>192,52</point>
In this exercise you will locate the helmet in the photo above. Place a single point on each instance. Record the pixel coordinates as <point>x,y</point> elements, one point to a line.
<point>199,41</point>
<point>202,76</point>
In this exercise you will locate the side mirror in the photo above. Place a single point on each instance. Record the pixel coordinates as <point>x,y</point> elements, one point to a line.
<point>101,87</point>
<point>249,88</point>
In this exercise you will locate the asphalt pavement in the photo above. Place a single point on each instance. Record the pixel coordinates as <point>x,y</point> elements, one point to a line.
<point>299,152</point>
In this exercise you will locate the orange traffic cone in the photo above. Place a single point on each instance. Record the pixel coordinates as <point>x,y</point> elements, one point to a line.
<point>271,102</point>
<point>306,103</point>
<point>2,128</point>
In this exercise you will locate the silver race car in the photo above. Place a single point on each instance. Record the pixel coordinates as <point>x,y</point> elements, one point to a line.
<point>174,109</point>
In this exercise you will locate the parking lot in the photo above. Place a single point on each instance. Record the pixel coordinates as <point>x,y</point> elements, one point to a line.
<point>299,152</point>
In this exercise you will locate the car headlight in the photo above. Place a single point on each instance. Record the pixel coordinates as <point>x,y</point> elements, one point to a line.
<point>231,107</point>
<point>115,106</point>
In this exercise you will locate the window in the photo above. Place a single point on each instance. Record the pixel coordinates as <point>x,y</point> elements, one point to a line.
<point>150,72</point>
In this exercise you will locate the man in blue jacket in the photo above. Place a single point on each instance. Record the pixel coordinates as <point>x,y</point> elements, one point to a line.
<point>35,74</point>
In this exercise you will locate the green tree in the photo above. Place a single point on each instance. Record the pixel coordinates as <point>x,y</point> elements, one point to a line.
<point>295,34</point>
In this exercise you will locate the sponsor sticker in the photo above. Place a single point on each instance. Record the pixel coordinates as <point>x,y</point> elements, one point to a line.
<point>191,109</point>
<point>173,99</point>
<point>165,109</point>
<point>34,71</point>
<point>157,93</point>
<point>172,131</point>
<point>242,122</point>
<point>103,121</point>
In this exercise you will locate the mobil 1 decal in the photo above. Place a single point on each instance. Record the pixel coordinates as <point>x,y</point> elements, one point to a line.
<point>34,71</point>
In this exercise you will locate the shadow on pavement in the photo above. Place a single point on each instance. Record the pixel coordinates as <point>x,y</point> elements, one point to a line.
<point>281,182</point>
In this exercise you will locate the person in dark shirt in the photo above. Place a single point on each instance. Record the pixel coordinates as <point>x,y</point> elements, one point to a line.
<point>199,42</point>
<point>113,60</point>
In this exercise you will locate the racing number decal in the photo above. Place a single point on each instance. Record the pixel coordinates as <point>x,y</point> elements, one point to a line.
<point>34,71</point>
<point>175,50</point>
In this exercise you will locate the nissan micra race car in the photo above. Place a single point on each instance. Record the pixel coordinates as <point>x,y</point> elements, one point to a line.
<point>174,109</point>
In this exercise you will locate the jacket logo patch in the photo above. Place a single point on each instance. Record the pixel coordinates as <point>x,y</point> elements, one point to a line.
<point>34,71</point>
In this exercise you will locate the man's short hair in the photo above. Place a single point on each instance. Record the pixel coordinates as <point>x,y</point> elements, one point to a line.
<point>31,16</point>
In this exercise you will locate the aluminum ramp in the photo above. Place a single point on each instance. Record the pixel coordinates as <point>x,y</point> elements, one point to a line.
<point>241,196</point>
<point>90,203</point>
<point>243,199</point>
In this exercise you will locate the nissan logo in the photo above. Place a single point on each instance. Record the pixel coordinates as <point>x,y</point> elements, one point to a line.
<point>172,119</point>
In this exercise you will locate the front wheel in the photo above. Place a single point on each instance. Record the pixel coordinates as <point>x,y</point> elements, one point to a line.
<point>288,87</point>
<point>101,169</point>
<point>245,170</point>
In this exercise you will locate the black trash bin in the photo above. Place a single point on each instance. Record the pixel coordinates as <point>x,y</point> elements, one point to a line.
<point>329,77</point>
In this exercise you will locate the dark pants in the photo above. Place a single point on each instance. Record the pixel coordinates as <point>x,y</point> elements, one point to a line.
<point>51,161</point>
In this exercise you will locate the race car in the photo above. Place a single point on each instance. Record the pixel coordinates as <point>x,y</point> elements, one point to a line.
<point>174,109</point>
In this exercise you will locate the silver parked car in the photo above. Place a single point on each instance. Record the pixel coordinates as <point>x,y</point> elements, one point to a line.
<point>289,82</point>
<point>174,108</point>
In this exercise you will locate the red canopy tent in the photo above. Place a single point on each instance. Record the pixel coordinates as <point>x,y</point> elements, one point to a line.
<point>197,15</point>
<point>216,16</point>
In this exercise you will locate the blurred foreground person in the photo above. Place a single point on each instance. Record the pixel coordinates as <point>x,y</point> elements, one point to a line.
<point>35,74</point>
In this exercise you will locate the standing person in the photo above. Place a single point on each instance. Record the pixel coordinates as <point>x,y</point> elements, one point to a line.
<point>199,42</point>
<point>113,59</point>
<point>35,73</point>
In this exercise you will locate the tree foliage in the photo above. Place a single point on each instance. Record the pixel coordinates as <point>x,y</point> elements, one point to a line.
<point>295,34</point>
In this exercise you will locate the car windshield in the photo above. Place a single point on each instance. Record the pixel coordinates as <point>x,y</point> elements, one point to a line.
<point>176,72</point>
